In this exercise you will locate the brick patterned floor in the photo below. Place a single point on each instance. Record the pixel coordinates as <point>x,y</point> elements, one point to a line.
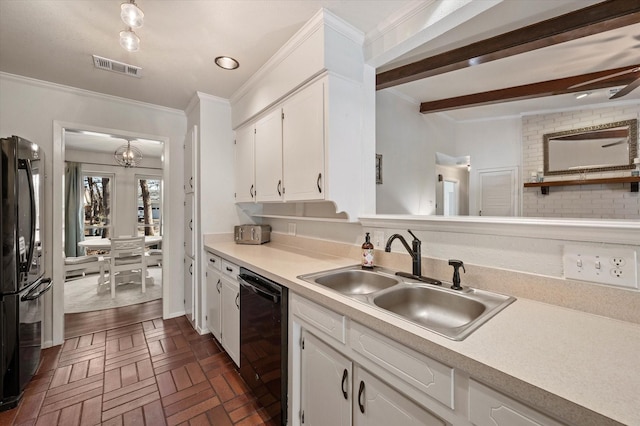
<point>158,372</point>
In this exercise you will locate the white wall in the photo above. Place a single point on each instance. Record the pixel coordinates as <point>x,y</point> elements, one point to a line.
<point>602,201</point>
<point>408,143</point>
<point>33,109</point>
<point>491,144</point>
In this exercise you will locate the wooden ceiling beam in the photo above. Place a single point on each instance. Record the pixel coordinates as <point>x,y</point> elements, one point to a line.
<point>535,90</point>
<point>584,22</point>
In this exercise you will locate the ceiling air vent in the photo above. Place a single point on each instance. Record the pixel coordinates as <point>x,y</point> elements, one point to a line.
<point>115,66</point>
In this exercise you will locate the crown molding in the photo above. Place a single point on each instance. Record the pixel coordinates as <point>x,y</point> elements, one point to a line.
<point>87,93</point>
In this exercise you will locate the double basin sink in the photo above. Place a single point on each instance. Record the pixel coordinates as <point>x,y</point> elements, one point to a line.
<point>451,313</point>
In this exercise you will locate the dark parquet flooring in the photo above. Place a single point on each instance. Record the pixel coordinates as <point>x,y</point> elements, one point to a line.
<point>153,372</point>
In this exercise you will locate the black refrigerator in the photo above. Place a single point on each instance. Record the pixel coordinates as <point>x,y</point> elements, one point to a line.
<point>22,273</point>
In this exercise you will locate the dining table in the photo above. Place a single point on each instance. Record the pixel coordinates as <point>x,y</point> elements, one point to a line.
<point>105,243</point>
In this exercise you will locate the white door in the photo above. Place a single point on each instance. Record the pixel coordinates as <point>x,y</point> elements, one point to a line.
<point>377,404</point>
<point>188,288</point>
<point>230,334</point>
<point>214,296</point>
<point>450,198</point>
<point>245,178</point>
<point>303,144</point>
<point>189,164</point>
<point>497,192</point>
<point>268,153</point>
<point>326,391</point>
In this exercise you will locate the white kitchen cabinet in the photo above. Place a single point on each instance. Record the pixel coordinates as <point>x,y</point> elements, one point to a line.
<point>189,159</point>
<point>268,157</point>
<point>189,225</point>
<point>303,144</point>
<point>326,377</point>
<point>230,311</point>
<point>189,285</point>
<point>214,295</point>
<point>245,167</point>
<point>378,404</point>
<point>490,408</point>
<point>332,384</point>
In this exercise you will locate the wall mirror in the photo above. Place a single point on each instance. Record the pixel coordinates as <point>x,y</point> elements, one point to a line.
<point>606,147</point>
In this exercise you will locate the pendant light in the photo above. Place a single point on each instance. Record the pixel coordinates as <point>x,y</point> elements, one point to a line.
<point>131,14</point>
<point>127,155</point>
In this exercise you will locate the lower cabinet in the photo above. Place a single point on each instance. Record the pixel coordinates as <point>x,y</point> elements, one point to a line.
<point>214,296</point>
<point>223,304</point>
<point>338,391</point>
<point>189,285</point>
<point>230,334</point>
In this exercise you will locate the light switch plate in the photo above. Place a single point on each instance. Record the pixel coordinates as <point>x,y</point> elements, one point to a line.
<point>601,265</point>
<point>378,239</point>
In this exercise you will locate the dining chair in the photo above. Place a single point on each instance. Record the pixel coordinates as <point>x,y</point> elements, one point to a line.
<point>127,254</point>
<point>82,264</point>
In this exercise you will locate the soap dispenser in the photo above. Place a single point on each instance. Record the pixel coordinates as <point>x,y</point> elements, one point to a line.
<point>457,264</point>
<point>367,253</point>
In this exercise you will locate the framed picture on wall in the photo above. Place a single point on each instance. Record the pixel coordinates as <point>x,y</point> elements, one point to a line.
<point>378,169</point>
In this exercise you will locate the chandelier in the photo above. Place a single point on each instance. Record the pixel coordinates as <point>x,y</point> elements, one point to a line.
<point>133,17</point>
<point>128,156</point>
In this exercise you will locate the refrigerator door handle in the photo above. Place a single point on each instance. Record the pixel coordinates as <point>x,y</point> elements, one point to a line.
<point>33,295</point>
<point>26,164</point>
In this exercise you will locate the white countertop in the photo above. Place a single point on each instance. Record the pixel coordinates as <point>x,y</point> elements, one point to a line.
<point>578,367</point>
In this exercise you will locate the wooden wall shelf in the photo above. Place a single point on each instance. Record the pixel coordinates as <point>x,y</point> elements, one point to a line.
<point>544,186</point>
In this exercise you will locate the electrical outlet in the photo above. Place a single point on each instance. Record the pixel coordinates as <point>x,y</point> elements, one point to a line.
<point>378,239</point>
<point>615,266</point>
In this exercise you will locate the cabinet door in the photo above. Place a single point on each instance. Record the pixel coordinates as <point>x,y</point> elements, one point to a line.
<point>189,164</point>
<point>245,182</point>
<point>189,225</point>
<point>268,150</point>
<point>326,377</point>
<point>188,288</point>
<point>231,318</point>
<point>214,296</point>
<point>376,403</point>
<point>303,144</point>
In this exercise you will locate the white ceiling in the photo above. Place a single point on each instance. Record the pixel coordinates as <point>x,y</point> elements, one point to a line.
<point>53,40</point>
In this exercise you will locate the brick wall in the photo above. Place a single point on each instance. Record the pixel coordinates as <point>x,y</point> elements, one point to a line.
<point>603,201</point>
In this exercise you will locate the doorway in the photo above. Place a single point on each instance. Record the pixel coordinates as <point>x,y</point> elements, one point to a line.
<point>94,150</point>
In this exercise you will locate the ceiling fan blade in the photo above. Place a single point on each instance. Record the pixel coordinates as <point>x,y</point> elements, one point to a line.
<point>606,77</point>
<point>627,89</point>
<point>613,144</point>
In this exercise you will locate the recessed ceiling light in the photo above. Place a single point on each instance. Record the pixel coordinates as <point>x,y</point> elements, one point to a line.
<point>582,95</point>
<point>227,63</point>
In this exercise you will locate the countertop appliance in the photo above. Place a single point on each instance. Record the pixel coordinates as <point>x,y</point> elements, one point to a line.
<point>22,281</point>
<point>252,234</point>
<point>264,307</point>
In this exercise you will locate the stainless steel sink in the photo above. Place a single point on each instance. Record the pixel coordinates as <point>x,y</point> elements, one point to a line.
<point>450,313</point>
<point>352,281</point>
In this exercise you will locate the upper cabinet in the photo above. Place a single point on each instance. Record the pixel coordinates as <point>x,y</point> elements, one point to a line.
<point>189,163</point>
<point>310,113</point>
<point>244,171</point>
<point>268,151</point>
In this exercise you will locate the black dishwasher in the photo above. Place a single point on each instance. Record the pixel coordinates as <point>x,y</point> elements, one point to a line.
<point>263,341</point>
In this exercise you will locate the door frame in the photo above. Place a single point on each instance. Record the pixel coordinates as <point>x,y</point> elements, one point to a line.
<point>56,310</point>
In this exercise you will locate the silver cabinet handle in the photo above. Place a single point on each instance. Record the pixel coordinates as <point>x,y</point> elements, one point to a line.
<point>318,182</point>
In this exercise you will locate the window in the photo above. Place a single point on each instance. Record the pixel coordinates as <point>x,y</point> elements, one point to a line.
<point>149,205</point>
<point>97,205</point>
